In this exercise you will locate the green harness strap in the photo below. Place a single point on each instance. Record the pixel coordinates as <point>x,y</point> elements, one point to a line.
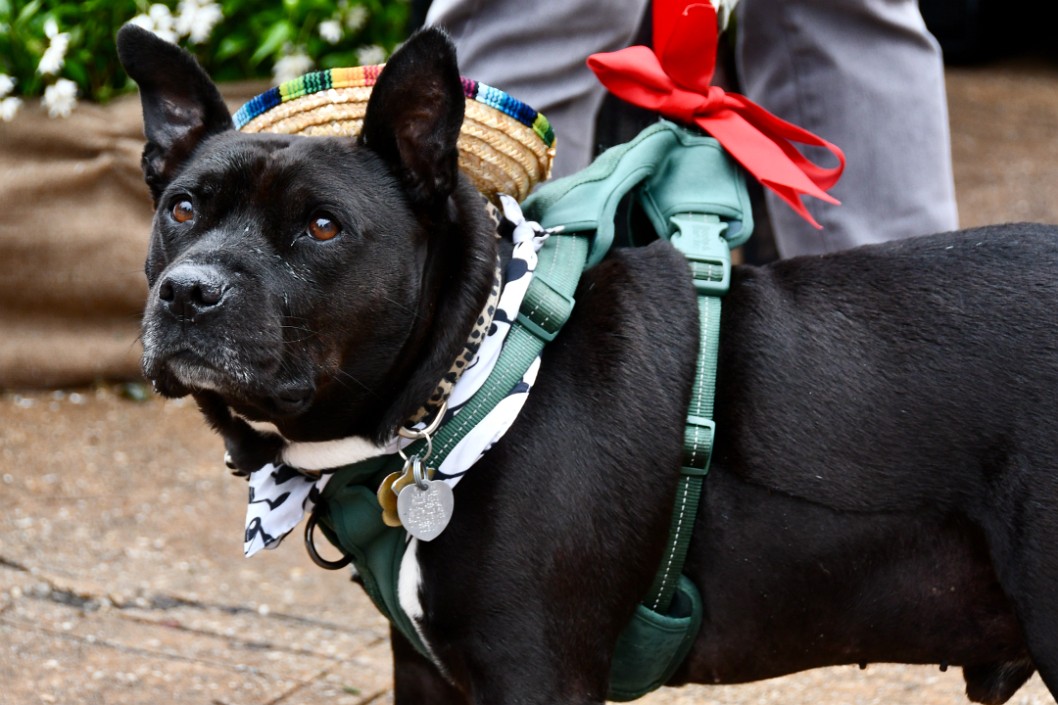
<point>547,305</point>
<point>695,197</point>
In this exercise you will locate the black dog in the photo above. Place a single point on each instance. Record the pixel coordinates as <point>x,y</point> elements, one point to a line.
<point>884,484</point>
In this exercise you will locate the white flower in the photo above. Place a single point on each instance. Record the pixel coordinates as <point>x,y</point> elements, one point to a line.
<point>9,108</point>
<point>60,98</point>
<point>357,17</point>
<point>55,55</point>
<point>159,21</point>
<point>143,21</point>
<point>162,17</point>
<point>196,19</point>
<point>291,66</point>
<point>8,105</point>
<point>724,10</point>
<point>370,54</point>
<point>52,61</point>
<point>331,31</point>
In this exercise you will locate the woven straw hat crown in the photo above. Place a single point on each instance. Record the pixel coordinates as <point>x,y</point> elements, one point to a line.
<point>504,145</point>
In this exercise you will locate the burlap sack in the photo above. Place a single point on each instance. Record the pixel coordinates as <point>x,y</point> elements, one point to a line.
<point>74,220</point>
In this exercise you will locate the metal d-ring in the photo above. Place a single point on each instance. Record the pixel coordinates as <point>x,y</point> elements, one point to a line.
<point>310,546</point>
<point>425,434</point>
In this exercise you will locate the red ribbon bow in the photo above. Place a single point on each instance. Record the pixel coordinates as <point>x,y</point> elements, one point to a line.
<point>674,80</point>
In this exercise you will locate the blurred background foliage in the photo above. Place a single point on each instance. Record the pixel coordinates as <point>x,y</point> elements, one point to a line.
<point>245,38</point>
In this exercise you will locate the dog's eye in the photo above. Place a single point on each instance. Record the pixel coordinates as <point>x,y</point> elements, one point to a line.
<point>183,211</point>
<point>323,227</point>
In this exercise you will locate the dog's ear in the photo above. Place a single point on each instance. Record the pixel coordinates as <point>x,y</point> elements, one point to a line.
<point>414,116</point>
<point>181,105</point>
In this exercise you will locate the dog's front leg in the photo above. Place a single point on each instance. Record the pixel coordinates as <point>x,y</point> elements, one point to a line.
<point>416,680</point>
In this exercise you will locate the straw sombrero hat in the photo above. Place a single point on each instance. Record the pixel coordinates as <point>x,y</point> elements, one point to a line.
<point>504,146</point>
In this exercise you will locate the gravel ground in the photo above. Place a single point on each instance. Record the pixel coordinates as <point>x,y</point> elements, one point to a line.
<point>121,573</point>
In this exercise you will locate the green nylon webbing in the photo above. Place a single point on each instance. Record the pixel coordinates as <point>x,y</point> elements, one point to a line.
<point>697,445</point>
<point>688,493</point>
<point>705,371</point>
<point>547,304</point>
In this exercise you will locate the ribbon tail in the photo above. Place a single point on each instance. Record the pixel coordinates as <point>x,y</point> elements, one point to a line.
<point>767,161</point>
<point>783,133</point>
<point>792,198</point>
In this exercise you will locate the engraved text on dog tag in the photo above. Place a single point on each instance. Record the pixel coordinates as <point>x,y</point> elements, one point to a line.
<point>425,508</point>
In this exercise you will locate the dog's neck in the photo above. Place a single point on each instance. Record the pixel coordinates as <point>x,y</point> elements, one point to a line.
<point>320,455</point>
<point>313,456</point>
<point>441,392</point>
<point>473,342</point>
<point>459,274</point>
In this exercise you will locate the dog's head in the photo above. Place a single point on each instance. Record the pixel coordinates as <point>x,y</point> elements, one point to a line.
<point>321,284</point>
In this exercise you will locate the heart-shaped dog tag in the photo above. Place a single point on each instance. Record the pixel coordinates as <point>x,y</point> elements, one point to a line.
<point>425,508</point>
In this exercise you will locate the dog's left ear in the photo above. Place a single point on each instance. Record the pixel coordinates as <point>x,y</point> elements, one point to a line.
<point>414,115</point>
<point>181,105</point>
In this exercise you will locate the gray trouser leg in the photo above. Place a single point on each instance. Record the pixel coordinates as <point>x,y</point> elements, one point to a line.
<point>536,51</point>
<point>867,76</point>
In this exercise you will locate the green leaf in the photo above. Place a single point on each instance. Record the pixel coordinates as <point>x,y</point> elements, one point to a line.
<point>279,34</point>
<point>77,73</point>
<point>338,60</point>
<point>28,11</point>
<point>231,45</point>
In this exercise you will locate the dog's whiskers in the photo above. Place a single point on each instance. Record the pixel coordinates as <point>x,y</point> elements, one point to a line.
<point>340,374</point>
<point>403,307</point>
<point>309,334</point>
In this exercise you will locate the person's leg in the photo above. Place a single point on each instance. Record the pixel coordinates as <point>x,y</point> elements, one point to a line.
<point>867,76</point>
<point>536,52</point>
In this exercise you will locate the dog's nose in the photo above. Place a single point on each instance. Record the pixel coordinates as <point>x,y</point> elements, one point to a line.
<point>191,290</point>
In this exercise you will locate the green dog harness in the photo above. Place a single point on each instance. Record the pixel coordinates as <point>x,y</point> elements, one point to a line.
<point>695,197</point>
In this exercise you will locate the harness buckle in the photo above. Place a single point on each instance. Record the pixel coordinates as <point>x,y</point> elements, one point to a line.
<point>698,436</point>
<point>700,238</point>
<point>544,309</point>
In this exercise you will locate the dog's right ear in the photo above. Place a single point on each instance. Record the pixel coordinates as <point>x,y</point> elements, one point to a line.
<point>181,105</point>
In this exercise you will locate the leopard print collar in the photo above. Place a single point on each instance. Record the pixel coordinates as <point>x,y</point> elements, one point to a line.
<point>443,390</point>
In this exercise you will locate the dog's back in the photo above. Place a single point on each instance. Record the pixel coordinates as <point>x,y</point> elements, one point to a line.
<point>891,377</point>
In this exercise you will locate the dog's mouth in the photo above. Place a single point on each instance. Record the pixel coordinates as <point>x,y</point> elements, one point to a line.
<point>186,371</point>
<point>249,390</point>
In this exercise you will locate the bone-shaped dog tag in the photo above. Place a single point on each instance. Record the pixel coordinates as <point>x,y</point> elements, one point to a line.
<point>387,495</point>
<point>425,507</point>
